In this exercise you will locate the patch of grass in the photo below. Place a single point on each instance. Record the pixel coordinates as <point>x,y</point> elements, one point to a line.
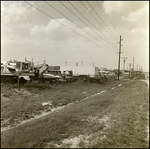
<point>122,105</point>
<point>37,86</point>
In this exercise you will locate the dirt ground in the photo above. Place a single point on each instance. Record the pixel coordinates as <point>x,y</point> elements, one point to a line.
<point>76,115</point>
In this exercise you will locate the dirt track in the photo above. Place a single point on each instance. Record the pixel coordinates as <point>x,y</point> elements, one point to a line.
<point>117,115</point>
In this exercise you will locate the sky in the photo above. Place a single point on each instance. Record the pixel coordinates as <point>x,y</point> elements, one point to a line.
<point>70,32</point>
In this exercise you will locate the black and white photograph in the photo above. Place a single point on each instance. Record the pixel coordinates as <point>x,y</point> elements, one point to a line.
<point>74,74</point>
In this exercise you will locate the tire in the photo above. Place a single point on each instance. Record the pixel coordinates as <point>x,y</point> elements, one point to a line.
<point>8,81</point>
<point>102,81</point>
<point>22,81</point>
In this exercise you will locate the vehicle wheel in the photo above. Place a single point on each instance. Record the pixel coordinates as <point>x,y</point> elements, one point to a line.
<point>8,81</point>
<point>102,81</point>
<point>22,81</point>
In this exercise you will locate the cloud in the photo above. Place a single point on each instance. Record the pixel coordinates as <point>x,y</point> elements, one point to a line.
<point>14,12</point>
<point>112,6</point>
<point>123,7</point>
<point>56,31</point>
<point>140,17</point>
<point>26,32</point>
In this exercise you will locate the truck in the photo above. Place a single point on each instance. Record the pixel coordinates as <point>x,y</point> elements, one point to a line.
<point>13,70</point>
<point>84,73</point>
<point>108,75</point>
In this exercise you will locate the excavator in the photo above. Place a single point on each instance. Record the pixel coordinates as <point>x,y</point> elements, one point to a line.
<point>45,73</point>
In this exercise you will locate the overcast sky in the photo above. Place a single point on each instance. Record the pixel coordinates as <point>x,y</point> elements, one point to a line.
<point>83,32</point>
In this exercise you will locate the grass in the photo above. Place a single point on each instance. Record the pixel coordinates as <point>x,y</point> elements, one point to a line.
<point>114,119</point>
<point>28,102</point>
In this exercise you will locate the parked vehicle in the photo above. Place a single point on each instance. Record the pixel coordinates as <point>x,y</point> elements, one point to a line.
<point>11,71</point>
<point>68,76</point>
<point>26,70</point>
<point>46,73</point>
<point>87,73</point>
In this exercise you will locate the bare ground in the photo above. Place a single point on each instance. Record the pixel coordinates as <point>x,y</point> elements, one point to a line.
<point>114,115</point>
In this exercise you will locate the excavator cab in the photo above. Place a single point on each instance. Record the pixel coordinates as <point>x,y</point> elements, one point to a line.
<point>23,66</point>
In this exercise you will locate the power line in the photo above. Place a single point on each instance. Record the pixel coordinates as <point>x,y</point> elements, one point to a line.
<point>95,19</point>
<point>84,22</point>
<point>113,26</point>
<point>71,21</point>
<point>98,16</point>
<point>65,25</point>
<point>107,18</point>
<point>127,48</point>
<point>110,21</point>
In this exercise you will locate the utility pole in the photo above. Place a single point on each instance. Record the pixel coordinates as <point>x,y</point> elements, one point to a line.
<point>119,57</point>
<point>124,60</point>
<point>129,69</point>
<point>137,66</point>
<point>133,63</point>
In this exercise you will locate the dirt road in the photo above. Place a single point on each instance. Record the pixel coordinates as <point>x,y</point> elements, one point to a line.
<point>113,116</point>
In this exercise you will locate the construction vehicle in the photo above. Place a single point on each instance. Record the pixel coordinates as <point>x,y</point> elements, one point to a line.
<point>65,76</point>
<point>47,74</point>
<point>11,71</point>
<point>25,71</point>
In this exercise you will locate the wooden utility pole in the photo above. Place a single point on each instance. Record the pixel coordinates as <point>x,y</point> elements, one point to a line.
<point>133,63</point>
<point>119,56</point>
<point>19,68</point>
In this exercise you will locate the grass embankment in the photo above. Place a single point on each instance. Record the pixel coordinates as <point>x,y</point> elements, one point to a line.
<point>116,118</point>
<point>19,106</point>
